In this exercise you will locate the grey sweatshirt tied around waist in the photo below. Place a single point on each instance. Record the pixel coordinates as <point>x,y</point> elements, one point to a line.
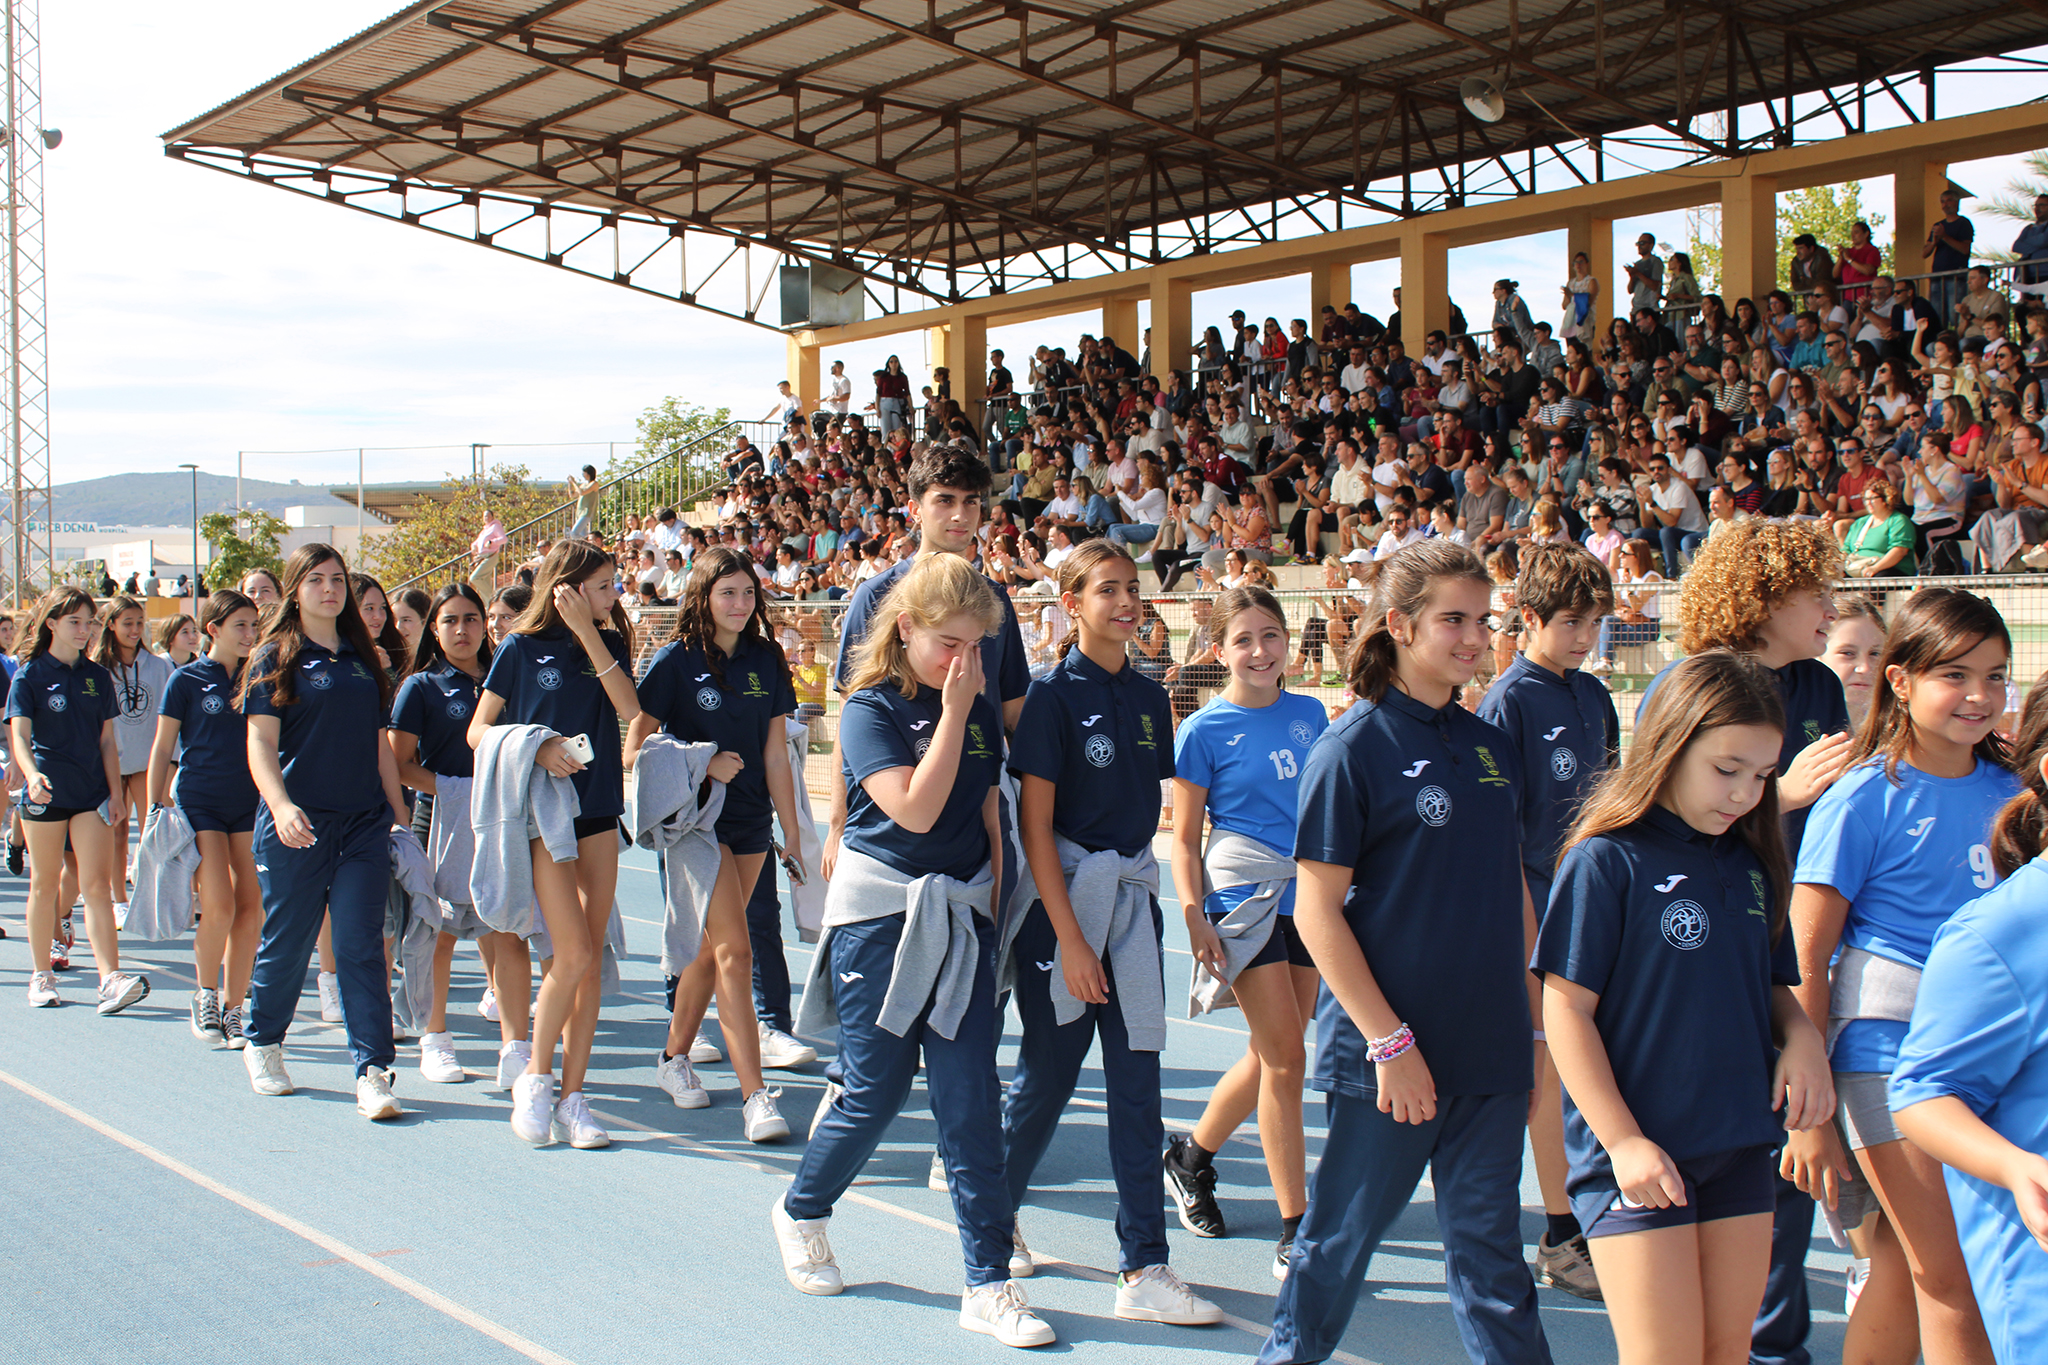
<point>1865,985</point>
<point>1233,860</point>
<point>451,839</point>
<point>663,814</point>
<point>935,958</point>
<point>1113,896</point>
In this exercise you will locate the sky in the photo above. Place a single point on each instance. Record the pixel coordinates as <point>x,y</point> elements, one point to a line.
<point>194,315</point>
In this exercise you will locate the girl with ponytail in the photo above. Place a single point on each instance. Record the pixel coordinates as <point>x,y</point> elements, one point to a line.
<point>1092,747</point>
<point>1410,898</point>
<point>1971,1086</point>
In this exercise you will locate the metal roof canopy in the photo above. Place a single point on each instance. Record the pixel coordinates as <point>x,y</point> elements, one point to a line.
<point>1011,143</point>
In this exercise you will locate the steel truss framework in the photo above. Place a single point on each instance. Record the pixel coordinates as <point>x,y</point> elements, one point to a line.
<point>25,512</point>
<point>687,149</point>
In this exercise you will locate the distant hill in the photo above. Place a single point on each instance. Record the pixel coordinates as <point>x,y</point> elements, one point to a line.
<point>166,499</point>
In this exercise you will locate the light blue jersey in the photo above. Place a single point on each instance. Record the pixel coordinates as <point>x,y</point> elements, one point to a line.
<point>1250,761</point>
<point>1906,857</point>
<point>1980,1033</point>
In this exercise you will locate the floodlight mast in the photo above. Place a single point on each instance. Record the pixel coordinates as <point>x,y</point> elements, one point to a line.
<point>26,511</point>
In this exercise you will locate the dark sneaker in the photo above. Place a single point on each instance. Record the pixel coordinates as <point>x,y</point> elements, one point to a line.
<point>1568,1267</point>
<point>15,854</point>
<point>1281,1253</point>
<point>1193,1191</point>
<point>206,1021</point>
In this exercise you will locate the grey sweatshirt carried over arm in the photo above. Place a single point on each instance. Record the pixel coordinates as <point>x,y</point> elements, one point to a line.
<point>1233,860</point>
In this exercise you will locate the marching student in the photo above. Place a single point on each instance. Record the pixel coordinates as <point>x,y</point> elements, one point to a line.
<point>392,650</point>
<point>62,712</point>
<point>1766,588</point>
<point>721,679</point>
<point>908,959</point>
<point>429,738</point>
<point>1972,1073</point>
<point>1668,1006</point>
<point>1855,651</point>
<point>1892,850</point>
<point>139,677</point>
<point>1237,763</point>
<point>505,606</point>
<point>201,728</point>
<point>316,704</point>
<point>565,665</point>
<point>1092,747</point>
<point>1411,900</point>
<point>1563,724</point>
<point>179,639</point>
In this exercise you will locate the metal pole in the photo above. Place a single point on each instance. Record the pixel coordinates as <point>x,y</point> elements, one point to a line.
<point>238,491</point>
<point>14,319</point>
<point>194,580</point>
<point>359,505</point>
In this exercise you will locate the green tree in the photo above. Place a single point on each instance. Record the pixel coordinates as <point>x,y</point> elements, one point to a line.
<point>669,425</point>
<point>2015,202</point>
<point>441,528</point>
<point>241,541</point>
<point>1828,212</point>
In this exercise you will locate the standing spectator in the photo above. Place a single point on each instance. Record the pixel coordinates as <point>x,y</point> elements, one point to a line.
<point>892,396</point>
<point>1811,265</point>
<point>1947,253</point>
<point>1511,312</point>
<point>838,396</point>
<point>1645,277</point>
<point>1982,303</point>
<point>483,576</point>
<point>2030,248</point>
<point>585,492</point>
<point>1580,292</point>
<point>1681,290</point>
<point>1861,261</point>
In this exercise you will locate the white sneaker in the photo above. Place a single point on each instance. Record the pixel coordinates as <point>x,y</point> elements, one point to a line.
<point>1859,1275</point>
<point>266,1068</point>
<point>206,1024</point>
<point>488,1006</point>
<point>398,1030</point>
<point>120,914</point>
<point>42,990</point>
<point>513,1059</point>
<point>575,1125</point>
<point>704,1050</point>
<point>679,1078</point>
<point>806,1251</point>
<point>781,1051</point>
<point>533,1109</point>
<point>833,1090</point>
<point>437,1059</point>
<point>330,998</point>
<point>120,990</point>
<point>760,1120</point>
<point>1156,1294</point>
<point>936,1178</point>
<point>999,1311</point>
<point>374,1099</point>
<point>1022,1267</point>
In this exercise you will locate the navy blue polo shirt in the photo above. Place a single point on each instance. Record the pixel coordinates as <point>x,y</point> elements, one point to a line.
<point>1004,672</point>
<point>67,707</point>
<point>328,739</point>
<point>1105,741</point>
<point>213,760</point>
<point>685,693</point>
<point>880,728</point>
<point>1814,706</point>
<point>1671,929</point>
<point>435,707</point>
<point>1566,731</point>
<point>547,679</point>
<point>1426,807</point>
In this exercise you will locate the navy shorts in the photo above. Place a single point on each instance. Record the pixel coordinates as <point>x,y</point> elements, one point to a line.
<point>1721,1185</point>
<point>587,825</point>
<point>1282,945</point>
<point>53,815</point>
<point>748,837</point>
<point>223,822</point>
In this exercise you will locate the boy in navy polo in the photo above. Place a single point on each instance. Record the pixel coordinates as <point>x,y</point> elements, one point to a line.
<point>1563,725</point>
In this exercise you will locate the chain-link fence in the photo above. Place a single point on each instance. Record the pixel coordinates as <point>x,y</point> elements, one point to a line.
<point>1322,625</point>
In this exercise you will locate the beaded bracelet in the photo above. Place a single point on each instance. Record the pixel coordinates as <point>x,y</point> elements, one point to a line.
<point>1386,1049</point>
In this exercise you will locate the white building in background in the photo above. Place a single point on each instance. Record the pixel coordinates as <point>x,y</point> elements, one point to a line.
<point>166,551</point>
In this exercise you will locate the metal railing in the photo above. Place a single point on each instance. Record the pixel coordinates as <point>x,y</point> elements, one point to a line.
<point>674,479</point>
<point>1320,622</point>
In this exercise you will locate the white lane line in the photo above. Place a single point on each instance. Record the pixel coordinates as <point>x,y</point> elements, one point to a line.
<point>1086,1272</point>
<point>334,1246</point>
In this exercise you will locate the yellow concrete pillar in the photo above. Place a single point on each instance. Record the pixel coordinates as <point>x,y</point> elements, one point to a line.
<point>938,346</point>
<point>1173,335</point>
<point>1333,286</point>
<point>1916,208</point>
<point>1595,237</point>
<point>1120,324</point>
<point>1749,238</point>
<point>1425,284</point>
<point>970,366</point>
<point>803,351</point>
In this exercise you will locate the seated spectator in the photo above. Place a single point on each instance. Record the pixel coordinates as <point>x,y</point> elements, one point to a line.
<point>2013,530</point>
<point>1637,615</point>
<point>1879,543</point>
<point>1667,509</point>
